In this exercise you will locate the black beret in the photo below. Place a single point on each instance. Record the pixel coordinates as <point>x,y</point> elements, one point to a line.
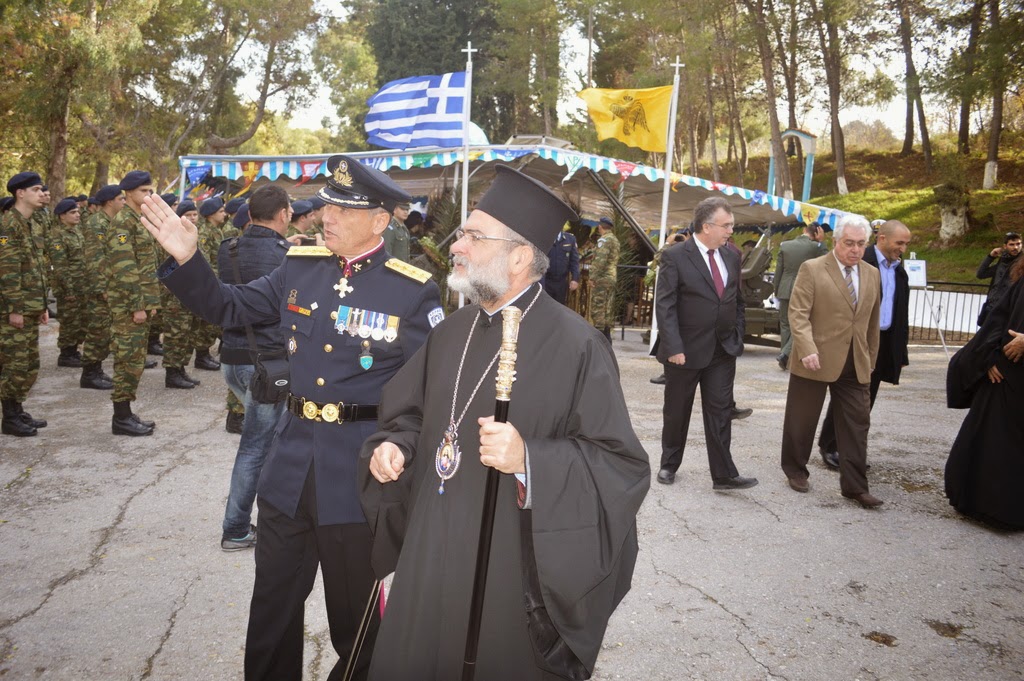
<point>317,202</point>
<point>136,179</point>
<point>232,206</point>
<point>64,205</point>
<point>81,197</point>
<point>6,203</point>
<point>46,187</point>
<point>300,208</point>
<point>93,201</point>
<point>185,206</point>
<point>526,206</point>
<point>241,217</point>
<point>170,198</point>
<point>108,193</point>
<point>353,185</point>
<point>23,181</point>
<point>210,206</point>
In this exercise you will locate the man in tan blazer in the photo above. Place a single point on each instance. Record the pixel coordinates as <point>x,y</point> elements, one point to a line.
<point>833,316</point>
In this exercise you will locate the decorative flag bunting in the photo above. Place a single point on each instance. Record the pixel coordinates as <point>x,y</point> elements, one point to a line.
<point>421,111</point>
<point>310,169</point>
<point>625,169</point>
<point>638,118</point>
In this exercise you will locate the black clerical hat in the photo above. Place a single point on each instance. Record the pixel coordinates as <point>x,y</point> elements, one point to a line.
<point>353,185</point>
<point>526,206</point>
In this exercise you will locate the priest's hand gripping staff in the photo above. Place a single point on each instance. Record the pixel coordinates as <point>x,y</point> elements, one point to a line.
<point>510,318</point>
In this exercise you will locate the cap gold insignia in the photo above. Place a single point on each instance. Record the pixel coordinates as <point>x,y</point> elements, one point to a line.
<point>342,176</point>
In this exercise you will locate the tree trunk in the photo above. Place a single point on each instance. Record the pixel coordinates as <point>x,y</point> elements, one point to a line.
<point>998,91</point>
<point>711,128</point>
<point>219,144</point>
<point>757,14</point>
<point>831,56</point>
<point>912,81</point>
<point>57,168</point>
<point>963,144</point>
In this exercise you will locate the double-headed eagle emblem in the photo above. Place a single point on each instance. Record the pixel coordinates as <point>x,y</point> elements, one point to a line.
<point>632,114</point>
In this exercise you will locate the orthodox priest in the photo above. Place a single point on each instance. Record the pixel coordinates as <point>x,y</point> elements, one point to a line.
<point>564,543</point>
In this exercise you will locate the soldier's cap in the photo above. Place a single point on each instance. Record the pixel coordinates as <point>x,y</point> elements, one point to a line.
<point>232,206</point>
<point>64,205</point>
<point>93,201</point>
<point>170,198</point>
<point>6,203</point>
<point>23,181</point>
<point>81,197</point>
<point>353,185</point>
<point>317,202</point>
<point>46,187</point>
<point>526,206</point>
<point>300,208</point>
<point>185,206</point>
<point>607,222</point>
<point>136,179</point>
<point>241,217</point>
<point>210,206</point>
<point>108,193</point>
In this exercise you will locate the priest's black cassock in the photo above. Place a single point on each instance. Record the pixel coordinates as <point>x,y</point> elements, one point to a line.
<point>588,475</point>
<point>985,469</point>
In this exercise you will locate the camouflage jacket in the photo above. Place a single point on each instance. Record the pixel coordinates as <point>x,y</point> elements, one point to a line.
<point>209,241</point>
<point>94,249</point>
<point>606,259</point>
<point>67,257</point>
<point>131,276</point>
<point>22,268</point>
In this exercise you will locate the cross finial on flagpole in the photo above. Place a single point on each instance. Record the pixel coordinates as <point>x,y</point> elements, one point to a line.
<point>677,64</point>
<point>469,50</point>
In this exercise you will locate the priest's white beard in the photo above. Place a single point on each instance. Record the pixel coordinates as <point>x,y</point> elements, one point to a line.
<point>483,283</point>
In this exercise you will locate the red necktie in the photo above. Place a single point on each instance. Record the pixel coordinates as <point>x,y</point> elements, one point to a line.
<point>716,276</point>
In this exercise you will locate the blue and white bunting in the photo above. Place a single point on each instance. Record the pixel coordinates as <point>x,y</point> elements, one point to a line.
<point>421,111</point>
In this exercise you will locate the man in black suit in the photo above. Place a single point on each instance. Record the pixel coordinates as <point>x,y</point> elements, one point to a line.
<point>893,320</point>
<point>701,322</point>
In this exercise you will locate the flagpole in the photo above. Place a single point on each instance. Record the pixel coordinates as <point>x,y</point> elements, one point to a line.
<point>465,130</point>
<point>669,151</point>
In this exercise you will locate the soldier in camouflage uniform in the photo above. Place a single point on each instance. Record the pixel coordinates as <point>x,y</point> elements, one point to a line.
<point>42,222</point>
<point>603,268</point>
<point>210,227</point>
<point>22,303</point>
<point>397,240</point>
<point>132,293</point>
<point>96,348</point>
<point>302,220</point>
<point>67,257</point>
<point>180,325</point>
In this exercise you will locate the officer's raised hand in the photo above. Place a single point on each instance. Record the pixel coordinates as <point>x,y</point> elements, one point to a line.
<point>177,235</point>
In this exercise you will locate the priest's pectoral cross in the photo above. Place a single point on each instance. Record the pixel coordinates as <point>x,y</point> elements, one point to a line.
<point>342,287</point>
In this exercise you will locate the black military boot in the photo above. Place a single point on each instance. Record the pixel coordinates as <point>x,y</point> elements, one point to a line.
<point>69,357</point>
<point>176,379</point>
<point>155,347</point>
<point>13,423</point>
<point>126,423</point>
<point>27,418</point>
<point>145,423</point>
<point>205,361</point>
<point>94,378</point>
<point>233,424</point>
<point>149,364</point>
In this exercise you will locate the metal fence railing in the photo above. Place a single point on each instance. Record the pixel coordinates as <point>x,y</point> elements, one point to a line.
<point>948,306</point>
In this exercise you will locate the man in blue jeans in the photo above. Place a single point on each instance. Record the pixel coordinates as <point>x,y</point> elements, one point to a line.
<point>261,249</point>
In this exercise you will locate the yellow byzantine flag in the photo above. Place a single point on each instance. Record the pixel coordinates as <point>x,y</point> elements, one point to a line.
<point>638,118</point>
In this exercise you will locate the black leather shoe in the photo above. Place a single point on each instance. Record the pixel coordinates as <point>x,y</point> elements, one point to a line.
<point>666,476</point>
<point>206,362</point>
<point>143,422</point>
<point>831,460</point>
<point>129,426</point>
<point>155,348</point>
<point>739,482</point>
<point>784,362</point>
<point>149,364</point>
<point>658,380</point>
<point>175,378</point>
<point>233,423</point>
<point>740,413</point>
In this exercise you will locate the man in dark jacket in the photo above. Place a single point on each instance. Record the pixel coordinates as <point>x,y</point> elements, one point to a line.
<point>893,321</point>
<point>260,250</point>
<point>563,273</point>
<point>996,266</point>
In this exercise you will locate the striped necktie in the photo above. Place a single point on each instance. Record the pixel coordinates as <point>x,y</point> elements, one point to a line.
<point>849,285</point>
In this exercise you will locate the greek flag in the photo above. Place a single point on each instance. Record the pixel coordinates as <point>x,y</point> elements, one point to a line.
<point>421,111</point>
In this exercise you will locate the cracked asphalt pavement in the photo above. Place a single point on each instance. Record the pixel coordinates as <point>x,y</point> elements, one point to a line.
<point>111,567</point>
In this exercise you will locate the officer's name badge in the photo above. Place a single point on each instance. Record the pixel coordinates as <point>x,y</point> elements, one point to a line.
<point>367,324</point>
<point>300,310</point>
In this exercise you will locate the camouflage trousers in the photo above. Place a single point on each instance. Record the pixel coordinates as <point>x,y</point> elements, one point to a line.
<point>235,405</point>
<point>19,358</point>
<point>128,342</point>
<point>96,332</point>
<point>204,334</point>
<point>71,328</point>
<point>179,331</point>
<point>602,303</point>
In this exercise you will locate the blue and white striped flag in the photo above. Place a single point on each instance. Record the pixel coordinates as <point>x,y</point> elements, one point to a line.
<point>421,111</point>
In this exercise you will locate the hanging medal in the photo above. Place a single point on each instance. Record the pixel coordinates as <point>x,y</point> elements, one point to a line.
<point>365,358</point>
<point>446,461</point>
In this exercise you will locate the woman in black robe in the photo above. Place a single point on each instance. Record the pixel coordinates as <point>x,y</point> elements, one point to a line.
<point>985,470</point>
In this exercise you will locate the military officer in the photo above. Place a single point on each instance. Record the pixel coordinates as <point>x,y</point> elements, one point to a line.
<point>603,269</point>
<point>563,273</point>
<point>96,348</point>
<point>133,295</point>
<point>396,236</point>
<point>67,257</point>
<point>23,303</point>
<point>352,317</point>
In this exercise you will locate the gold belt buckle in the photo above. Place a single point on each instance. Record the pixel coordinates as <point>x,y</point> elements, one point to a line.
<point>310,410</point>
<point>330,413</point>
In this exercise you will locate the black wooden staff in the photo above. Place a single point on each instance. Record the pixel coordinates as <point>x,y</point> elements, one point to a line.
<point>510,318</point>
<point>357,644</point>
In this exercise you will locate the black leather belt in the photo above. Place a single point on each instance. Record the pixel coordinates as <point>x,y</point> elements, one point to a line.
<point>332,412</point>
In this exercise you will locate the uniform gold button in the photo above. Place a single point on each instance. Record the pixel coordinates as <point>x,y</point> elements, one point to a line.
<point>319,381</point>
<point>293,327</point>
<point>328,348</point>
<point>334,315</point>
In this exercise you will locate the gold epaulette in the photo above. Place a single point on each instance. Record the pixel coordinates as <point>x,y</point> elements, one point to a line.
<point>408,270</point>
<point>309,251</point>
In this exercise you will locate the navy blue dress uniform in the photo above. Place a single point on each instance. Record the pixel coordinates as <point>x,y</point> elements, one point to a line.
<point>349,326</point>
<point>564,261</point>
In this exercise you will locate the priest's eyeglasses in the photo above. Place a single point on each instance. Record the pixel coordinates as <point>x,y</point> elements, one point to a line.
<point>477,236</point>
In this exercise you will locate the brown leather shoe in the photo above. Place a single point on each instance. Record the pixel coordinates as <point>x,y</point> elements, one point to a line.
<point>864,499</point>
<point>799,484</point>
